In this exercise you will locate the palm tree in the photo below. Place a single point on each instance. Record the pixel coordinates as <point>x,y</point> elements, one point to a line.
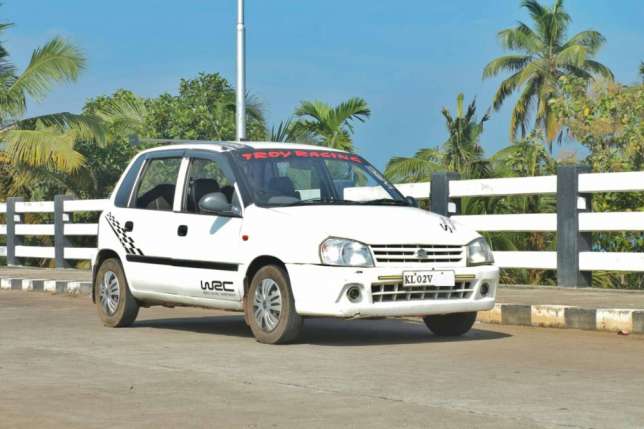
<point>282,132</point>
<point>330,126</point>
<point>543,56</point>
<point>46,140</point>
<point>461,152</point>
<point>418,168</point>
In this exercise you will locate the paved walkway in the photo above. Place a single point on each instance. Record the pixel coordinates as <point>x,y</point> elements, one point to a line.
<point>585,297</point>
<point>541,295</point>
<point>60,368</point>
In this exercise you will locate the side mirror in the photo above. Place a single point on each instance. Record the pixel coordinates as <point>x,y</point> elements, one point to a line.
<point>413,202</point>
<point>217,203</point>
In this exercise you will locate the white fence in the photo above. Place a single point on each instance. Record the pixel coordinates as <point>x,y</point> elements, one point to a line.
<point>588,222</point>
<point>589,183</point>
<point>43,230</point>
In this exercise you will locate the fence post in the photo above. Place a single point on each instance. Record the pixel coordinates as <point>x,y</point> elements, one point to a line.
<point>439,192</point>
<point>570,241</point>
<point>13,240</point>
<point>60,241</point>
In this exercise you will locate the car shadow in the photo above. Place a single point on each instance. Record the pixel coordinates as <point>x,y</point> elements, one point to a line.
<point>326,331</point>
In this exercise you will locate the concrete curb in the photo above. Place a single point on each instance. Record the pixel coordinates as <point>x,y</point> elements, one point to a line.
<point>54,286</point>
<point>564,316</point>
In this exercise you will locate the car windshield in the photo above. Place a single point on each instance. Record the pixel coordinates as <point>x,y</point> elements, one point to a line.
<point>314,177</point>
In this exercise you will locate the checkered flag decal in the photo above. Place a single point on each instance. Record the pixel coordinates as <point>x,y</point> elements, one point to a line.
<point>121,234</point>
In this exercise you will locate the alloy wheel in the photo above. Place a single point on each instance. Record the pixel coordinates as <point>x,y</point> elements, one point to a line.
<point>267,305</point>
<point>109,293</point>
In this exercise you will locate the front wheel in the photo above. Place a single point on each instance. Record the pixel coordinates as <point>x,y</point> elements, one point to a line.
<point>114,301</point>
<point>450,325</point>
<point>270,308</point>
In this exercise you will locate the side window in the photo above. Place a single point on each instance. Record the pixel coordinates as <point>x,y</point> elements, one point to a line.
<point>207,176</point>
<point>157,186</point>
<point>125,190</point>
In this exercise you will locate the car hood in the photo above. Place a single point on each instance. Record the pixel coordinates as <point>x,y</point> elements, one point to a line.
<point>368,224</point>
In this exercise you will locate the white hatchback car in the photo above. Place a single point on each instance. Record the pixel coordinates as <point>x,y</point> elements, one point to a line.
<point>282,231</point>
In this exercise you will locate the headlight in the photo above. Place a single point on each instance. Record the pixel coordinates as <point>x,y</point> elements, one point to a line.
<point>479,252</point>
<point>347,253</point>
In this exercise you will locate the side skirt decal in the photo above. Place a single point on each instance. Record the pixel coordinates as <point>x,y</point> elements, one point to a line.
<point>221,266</point>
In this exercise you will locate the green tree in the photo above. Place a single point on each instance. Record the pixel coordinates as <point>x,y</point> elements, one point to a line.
<point>120,115</point>
<point>418,168</point>
<point>608,119</point>
<point>543,56</point>
<point>289,131</point>
<point>204,109</point>
<point>461,152</point>
<point>330,126</point>
<point>46,140</point>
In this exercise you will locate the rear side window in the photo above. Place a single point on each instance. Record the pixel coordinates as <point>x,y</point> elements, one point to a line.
<point>157,185</point>
<point>125,190</point>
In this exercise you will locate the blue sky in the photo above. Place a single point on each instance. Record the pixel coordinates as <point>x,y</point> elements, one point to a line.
<point>406,58</point>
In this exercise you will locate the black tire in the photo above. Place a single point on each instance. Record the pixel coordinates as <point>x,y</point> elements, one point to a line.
<point>450,325</point>
<point>127,308</point>
<point>289,323</point>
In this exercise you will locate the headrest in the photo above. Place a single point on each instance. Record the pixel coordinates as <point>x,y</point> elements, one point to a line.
<point>201,187</point>
<point>282,186</point>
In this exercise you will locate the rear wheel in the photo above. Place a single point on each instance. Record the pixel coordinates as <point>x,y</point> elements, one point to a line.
<point>116,305</point>
<point>270,308</point>
<point>450,325</point>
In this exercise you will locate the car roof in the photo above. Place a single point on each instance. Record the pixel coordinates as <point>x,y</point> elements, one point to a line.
<point>226,146</point>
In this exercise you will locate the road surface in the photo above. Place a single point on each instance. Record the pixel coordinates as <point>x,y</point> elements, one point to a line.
<point>59,367</point>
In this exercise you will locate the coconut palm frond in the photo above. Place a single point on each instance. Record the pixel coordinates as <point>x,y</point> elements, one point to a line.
<point>56,62</point>
<point>542,57</point>
<point>330,126</point>
<point>283,132</point>
<point>44,147</point>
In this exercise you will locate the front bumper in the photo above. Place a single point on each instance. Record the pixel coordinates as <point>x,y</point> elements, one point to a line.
<point>321,291</point>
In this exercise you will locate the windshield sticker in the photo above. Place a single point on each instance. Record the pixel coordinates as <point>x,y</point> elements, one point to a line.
<point>283,154</point>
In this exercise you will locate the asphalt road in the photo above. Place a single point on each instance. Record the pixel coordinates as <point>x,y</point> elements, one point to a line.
<point>59,367</point>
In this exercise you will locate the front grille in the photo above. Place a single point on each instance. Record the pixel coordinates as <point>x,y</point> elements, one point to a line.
<point>388,292</point>
<point>443,255</point>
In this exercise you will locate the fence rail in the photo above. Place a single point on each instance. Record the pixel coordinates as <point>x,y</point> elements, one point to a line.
<point>573,222</point>
<point>60,228</point>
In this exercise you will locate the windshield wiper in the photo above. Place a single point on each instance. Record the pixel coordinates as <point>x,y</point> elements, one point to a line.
<point>313,201</point>
<point>385,201</point>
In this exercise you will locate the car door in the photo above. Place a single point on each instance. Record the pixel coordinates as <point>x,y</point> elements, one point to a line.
<point>148,223</point>
<point>210,243</point>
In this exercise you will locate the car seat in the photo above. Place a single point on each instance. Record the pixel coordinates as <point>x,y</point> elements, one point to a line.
<point>199,188</point>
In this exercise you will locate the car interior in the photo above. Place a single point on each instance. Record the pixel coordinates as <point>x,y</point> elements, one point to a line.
<point>161,197</point>
<point>281,190</point>
<point>198,188</point>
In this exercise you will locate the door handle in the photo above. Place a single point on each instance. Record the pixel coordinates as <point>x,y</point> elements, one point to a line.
<point>129,226</point>
<point>182,231</point>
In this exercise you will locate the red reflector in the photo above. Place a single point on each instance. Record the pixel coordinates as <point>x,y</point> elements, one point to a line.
<point>245,237</point>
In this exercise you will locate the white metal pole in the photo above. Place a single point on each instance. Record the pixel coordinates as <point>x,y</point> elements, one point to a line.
<point>241,72</point>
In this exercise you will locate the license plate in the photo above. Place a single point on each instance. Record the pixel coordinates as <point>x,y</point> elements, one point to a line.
<point>428,278</point>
